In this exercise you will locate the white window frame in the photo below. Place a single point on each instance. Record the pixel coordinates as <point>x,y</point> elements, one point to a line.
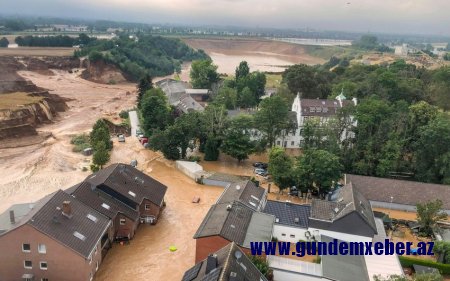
<point>43,268</point>
<point>27,267</point>
<point>26,251</point>
<point>40,249</point>
<point>122,221</point>
<point>147,207</point>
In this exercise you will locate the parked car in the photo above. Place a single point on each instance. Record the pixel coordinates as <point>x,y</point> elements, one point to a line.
<point>261,165</point>
<point>134,163</point>
<point>121,138</point>
<point>141,136</point>
<point>293,191</point>
<point>138,132</point>
<point>261,172</point>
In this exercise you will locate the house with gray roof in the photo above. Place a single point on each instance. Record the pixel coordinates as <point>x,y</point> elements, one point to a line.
<point>231,222</point>
<point>55,238</point>
<point>349,216</point>
<point>245,192</point>
<point>132,188</point>
<point>125,218</point>
<point>180,95</point>
<point>400,195</point>
<point>227,264</point>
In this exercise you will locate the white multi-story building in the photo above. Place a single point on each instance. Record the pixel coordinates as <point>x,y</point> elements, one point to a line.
<point>322,110</point>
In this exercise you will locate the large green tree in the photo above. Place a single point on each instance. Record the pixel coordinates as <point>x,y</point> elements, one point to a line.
<point>4,42</point>
<point>309,81</point>
<point>317,169</point>
<point>100,134</point>
<point>242,71</point>
<point>145,84</point>
<point>101,155</point>
<point>281,168</point>
<point>432,159</point>
<point>272,118</point>
<point>203,74</point>
<point>428,214</point>
<point>155,111</point>
<point>237,142</point>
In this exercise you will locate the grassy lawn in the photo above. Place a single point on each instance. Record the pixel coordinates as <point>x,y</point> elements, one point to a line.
<point>326,52</point>
<point>16,100</point>
<point>273,80</point>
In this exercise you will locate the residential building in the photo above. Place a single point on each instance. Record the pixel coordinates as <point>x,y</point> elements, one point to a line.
<point>246,192</point>
<point>180,95</point>
<point>231,222</point>
<point>322,110</point>
<point>132,188</point>
<point>227,264</point>
<point>56,238</point>
<point>399,194</point>
<point>347,217</point>
<point>125,219</point>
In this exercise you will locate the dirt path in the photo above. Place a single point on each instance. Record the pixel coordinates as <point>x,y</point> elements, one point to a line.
<point>31,172</point>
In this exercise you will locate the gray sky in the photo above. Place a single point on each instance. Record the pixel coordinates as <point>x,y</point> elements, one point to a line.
<point>393,16</point>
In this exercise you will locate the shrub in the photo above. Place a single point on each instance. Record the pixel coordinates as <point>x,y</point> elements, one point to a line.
<point>124,114</point>
<point>193,158</point>
<point>80,142</point>
<point>409,262</point>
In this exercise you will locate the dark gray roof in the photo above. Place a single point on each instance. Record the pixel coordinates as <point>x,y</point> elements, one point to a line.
<point>246,192</point>
<point>226,264</point>
<point>50,221</point>
<point>237,223</point>
<point>100,201</point>
<point>343,268</point>
<point>173,89</point>
<point>287,213</point>
<point>187,104</point>
<point>322,107</point>
<point>348,200</point>
<point>226,177</point>
<point>402,192</point>
<point>127,180</point>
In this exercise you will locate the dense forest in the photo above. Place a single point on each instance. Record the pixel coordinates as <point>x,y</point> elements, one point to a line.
<point>142,54</point>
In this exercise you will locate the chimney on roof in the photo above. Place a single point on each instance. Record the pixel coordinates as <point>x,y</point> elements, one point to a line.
<point>67,209</point>
<point>12,218</point>
<point>211,263</point>
<point>229,207</point>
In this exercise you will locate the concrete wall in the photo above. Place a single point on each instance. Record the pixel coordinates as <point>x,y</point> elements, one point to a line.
<point>63,263</point>
<point>216,182</point>
<point>298,233</point>
<point>396,206</point>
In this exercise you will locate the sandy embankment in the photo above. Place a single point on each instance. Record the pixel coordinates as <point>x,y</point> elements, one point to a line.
<point>30,172</point>
<point>261,54</point>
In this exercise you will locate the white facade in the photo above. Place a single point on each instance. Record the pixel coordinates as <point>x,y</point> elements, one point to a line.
<point>293,234</point>
<point>295,139</point>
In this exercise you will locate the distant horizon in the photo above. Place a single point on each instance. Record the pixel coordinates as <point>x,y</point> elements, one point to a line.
<point>403,17</point>
<point>221,26</point>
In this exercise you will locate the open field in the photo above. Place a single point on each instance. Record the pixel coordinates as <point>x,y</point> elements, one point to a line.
<point>16,100</point>
<point>37,51</point>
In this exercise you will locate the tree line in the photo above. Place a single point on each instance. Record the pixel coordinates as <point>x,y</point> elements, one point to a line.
<point>53,41</point>
<point>142,54</point>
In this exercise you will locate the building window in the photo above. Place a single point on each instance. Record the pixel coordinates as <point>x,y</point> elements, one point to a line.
<point>28,264</point>
<point>43,265</point>
<point>292,236</point>
<point>26,248</point>
<point>292,143</point>
<point>278,142</point>
<point>122,221</point>
<point>42,249</point>
<point>283,234</point>
<point>147,207</point>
